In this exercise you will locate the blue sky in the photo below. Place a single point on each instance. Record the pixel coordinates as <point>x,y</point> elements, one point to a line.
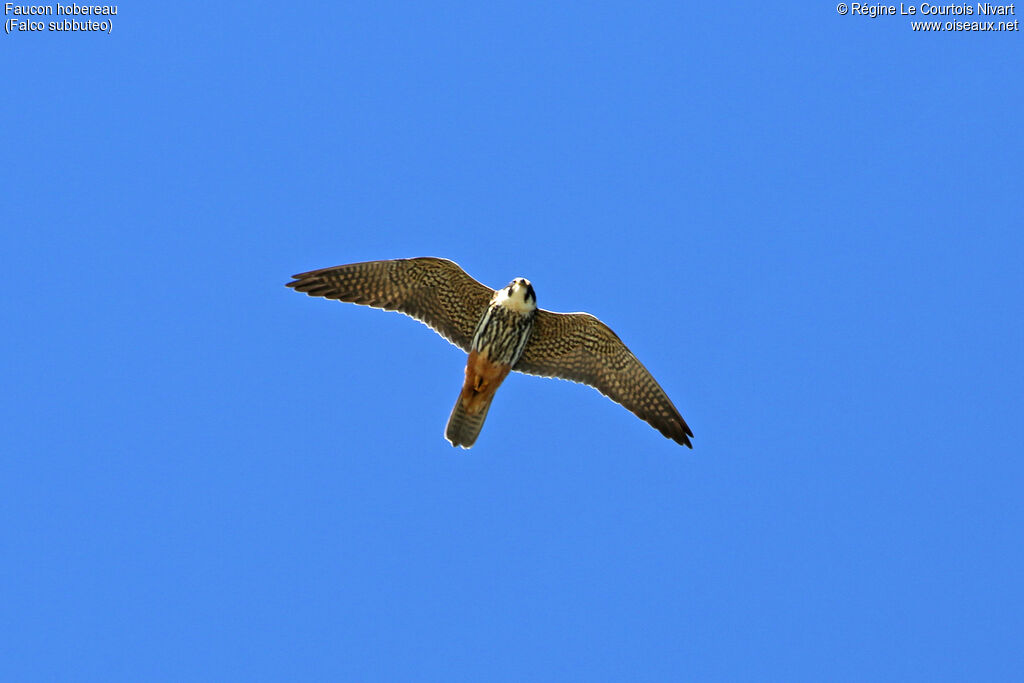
<point>806,225</point>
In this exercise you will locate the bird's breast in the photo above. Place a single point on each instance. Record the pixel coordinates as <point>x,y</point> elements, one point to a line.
<point>502,333</point>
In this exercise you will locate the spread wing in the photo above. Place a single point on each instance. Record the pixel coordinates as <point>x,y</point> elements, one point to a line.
<point>434,291</point>
<point>581,348</point>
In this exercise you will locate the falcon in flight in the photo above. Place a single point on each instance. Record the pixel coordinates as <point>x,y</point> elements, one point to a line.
<point>502,330</point>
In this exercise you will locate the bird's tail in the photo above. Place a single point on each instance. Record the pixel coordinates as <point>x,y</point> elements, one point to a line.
<point>468,417</point>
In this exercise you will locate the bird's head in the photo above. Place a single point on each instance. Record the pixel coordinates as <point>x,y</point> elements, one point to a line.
<point>518,295</point>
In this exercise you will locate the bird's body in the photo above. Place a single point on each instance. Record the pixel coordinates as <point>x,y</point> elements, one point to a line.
<point>498,342</point>
<point>501,331</point>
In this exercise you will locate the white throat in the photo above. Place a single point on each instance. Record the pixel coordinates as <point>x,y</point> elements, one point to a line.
<point>516,301</point>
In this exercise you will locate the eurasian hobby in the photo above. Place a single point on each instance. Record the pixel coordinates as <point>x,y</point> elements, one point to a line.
<point>501,330</point>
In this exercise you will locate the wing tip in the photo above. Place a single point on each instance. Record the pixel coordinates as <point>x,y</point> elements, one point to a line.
<point>296,280</point>
<point>681,438</point>
<point>687,435</point>
<point>309,283</point>
<point>680,433</point>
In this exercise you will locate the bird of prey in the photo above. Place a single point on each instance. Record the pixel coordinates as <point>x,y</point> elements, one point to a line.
<point>502,330</point>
